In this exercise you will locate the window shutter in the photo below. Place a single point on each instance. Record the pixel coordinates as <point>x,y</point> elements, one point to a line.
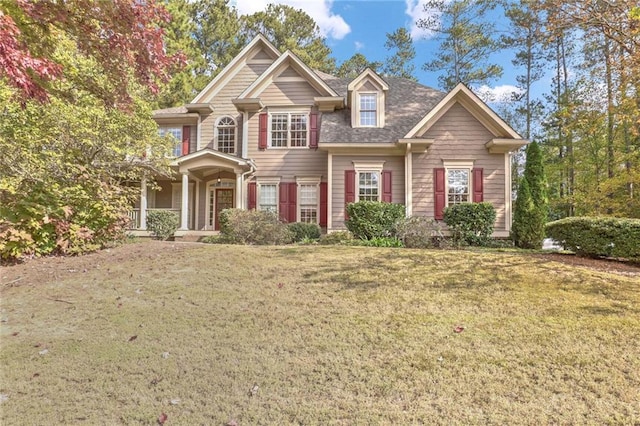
<point>262,136</point>
<point>386,186</point>
<point>323,204</point>
<point>439,192</point>
<point>349,189</point>
<point>313,134</point>
<point>478,196</point>
<point>287,202</point>
<point>252,196</point>
<point>186,139</point>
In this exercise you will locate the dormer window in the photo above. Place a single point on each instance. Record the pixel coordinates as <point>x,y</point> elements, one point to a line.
<point>366,97</point>
<point>368,109</point>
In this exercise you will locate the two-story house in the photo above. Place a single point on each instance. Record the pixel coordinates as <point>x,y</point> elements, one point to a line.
<point>268,132</point>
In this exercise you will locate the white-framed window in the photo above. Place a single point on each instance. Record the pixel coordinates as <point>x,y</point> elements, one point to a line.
<point>268,197</point>
<point>458,182</point>
<point>368,180</point>
<point>289,130</point>
<point>176,133</point>
<point>226,135</point>
<point>368,109</point>
<point>308,199</point>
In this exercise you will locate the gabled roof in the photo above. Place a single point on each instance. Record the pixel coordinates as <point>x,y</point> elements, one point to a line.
<point>259,42</point>
<point>406,103</point>
<point>369,74</point>
<point>287,59</point>
<point>474,105</point>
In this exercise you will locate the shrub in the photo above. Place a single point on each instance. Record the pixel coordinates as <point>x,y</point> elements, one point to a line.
<point>470,223</point>
<point>531,205</point>
<point>162,223</point>
<point>372,219</point>
<point>253,227</point>
<point>301,231</point>
<point>598,236</point>
<point>337,238</point>
<point>418,232</point>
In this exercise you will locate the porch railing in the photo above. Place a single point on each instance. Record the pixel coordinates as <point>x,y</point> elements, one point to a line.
<point>134,215</point>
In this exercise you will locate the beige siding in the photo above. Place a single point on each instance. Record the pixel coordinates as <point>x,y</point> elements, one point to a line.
<point>395,164</point>
<point>458,136</point>
<point>223,105</point>
<point>286,163</point>
<point>289,93</point>
<point>163,195</point>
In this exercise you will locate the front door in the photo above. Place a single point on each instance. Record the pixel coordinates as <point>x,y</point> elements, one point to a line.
<point>224,200</point>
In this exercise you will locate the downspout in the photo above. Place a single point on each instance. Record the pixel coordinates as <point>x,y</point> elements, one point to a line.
<point>251,170</point>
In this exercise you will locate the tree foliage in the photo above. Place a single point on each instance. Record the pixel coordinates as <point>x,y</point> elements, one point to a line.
<point>400,64</point>
<point>466,39</point>
<point>353,66</point>
<point>126,30</point>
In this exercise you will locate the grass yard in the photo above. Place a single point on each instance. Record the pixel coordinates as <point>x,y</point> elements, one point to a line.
<point>310,335</point>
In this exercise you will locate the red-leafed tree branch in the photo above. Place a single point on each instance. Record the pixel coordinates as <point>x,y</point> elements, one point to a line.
<point>124,37</point>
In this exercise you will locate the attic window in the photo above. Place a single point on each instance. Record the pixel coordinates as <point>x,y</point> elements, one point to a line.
<point>368,109</point>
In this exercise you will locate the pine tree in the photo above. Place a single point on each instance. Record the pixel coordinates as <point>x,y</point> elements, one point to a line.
<point>530,211</point>
<point>400,64</point>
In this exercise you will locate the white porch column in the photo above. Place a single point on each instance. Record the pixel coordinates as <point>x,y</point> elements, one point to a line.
<point>329,191</point>
<point>184,210</point>
<point>238,190</point>
<point>409,181</point>
<point>143,204</point>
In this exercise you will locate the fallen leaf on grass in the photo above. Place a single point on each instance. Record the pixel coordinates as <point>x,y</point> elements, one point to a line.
<point>35,375</point>
<point>280,285</point>
<point>175,401</point>
<point>232,422</point>
<point>254,390</point>
<point>165,355</point>
<point>15,333</point>
<point>163,418</point>
<point>132,338</point>
<point>44,352</point>
<point>458,329</point>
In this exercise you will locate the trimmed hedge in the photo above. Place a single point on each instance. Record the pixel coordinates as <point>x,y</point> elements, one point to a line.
<point>598,236</point>
<point>470,223</point>
<point>301,231</point>
<point>162,223</point>
<point>373,219</point>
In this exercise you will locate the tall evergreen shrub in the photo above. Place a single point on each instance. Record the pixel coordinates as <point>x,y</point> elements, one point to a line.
<point>530,211</point>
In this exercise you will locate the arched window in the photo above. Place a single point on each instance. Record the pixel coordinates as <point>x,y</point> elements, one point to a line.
<point>226,135</point>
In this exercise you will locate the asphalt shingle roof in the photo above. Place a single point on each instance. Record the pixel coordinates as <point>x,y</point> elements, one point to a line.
<point>407,102</point>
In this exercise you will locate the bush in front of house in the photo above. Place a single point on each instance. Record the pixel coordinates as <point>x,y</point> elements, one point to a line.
<point>373,219</point>
<point>419,232</point>
<point>301,231</point>
<point>162,223</point>
<point>253,227</point>
<point>470,223</point>
<point>598,236</point>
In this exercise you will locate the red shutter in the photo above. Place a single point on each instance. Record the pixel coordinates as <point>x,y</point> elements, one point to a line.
<point>252,196</point>
<point>386,186</point>
<point>262,135</point>
<point>287,202</point>
<point>186,139</point>
<point>477,186</point>
<point>439,192</point>
<point>349,189</point>
<point>313,134</point>
<point>323,204</point>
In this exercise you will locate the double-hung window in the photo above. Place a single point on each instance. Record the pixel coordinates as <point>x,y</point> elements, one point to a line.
<point>458,186</point>
<point>308,199</point>
<point>368,186</point>
<point>176,133</point>
<point>268,197</point>
<point>368,109</point>
<point>289,130</point>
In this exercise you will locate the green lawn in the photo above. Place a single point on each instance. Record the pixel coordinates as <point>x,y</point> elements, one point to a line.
<point>327,335</point>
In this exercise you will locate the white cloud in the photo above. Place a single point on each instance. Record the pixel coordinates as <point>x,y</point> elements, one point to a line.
<point>359,45</point>
<point>504,93</point>
<point>416,11</point>
<point>331,26</point>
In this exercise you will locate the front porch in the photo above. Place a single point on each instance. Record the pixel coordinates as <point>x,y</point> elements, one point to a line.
<point>205,183</point>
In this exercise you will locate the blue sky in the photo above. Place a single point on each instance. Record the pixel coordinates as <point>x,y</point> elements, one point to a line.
<point>352,26</point>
